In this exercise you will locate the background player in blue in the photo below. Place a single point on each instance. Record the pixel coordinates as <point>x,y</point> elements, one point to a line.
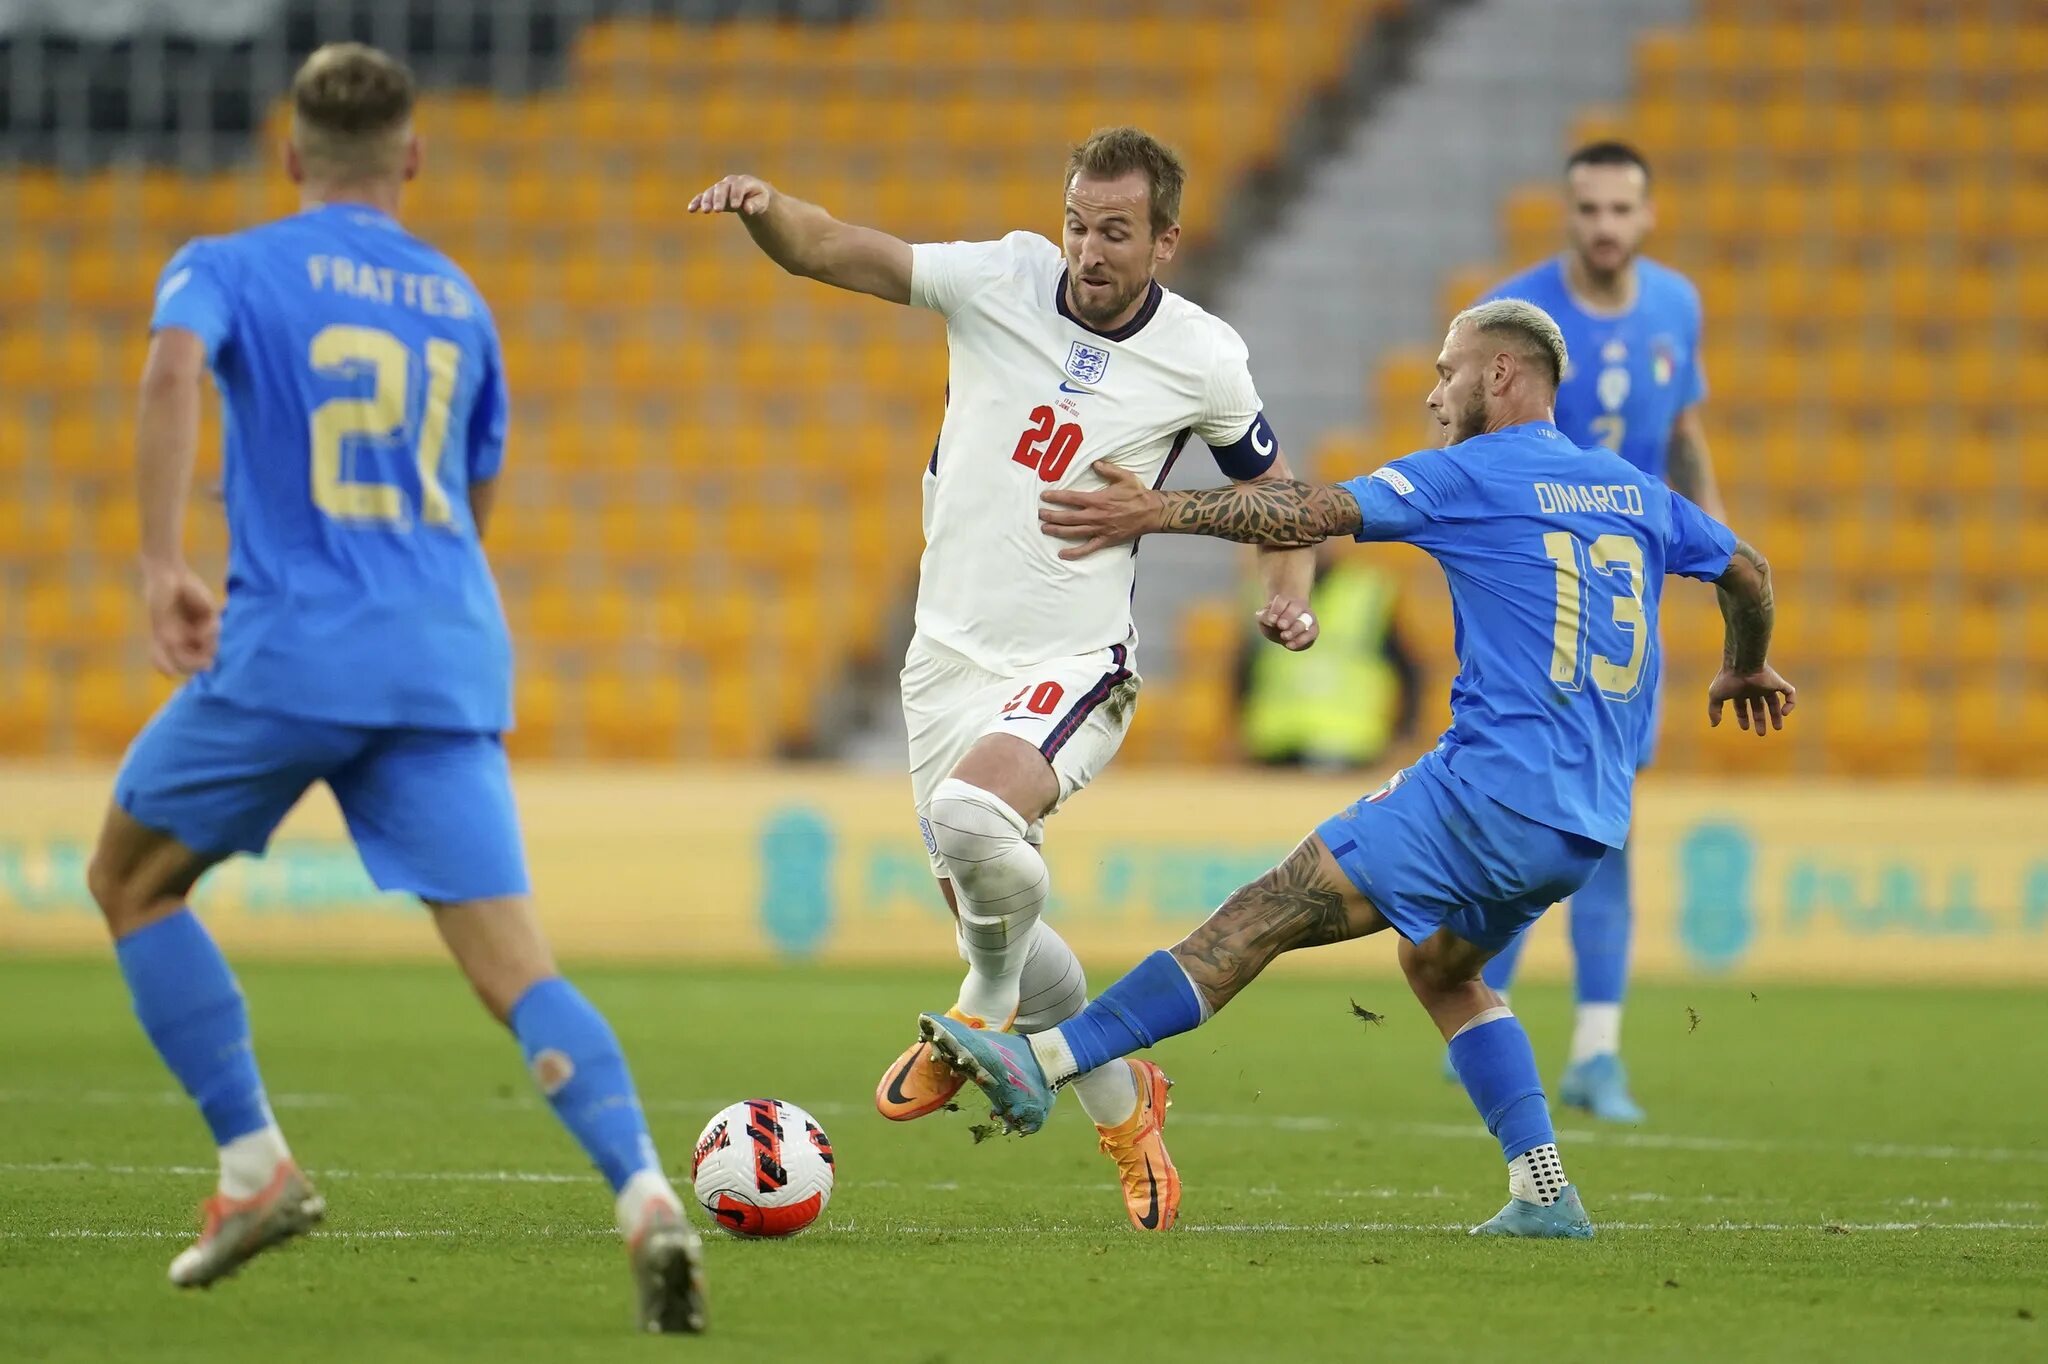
<point>1634,386</point>
<point>362,645</point>
<point>1556,557</point>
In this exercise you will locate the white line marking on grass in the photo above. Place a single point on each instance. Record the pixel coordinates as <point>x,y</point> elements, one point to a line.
<point>62,1167</point>
<point>1473,1131</point>
<point>364,1234</point>
<point>954,1186</point>
<point>1309,1228</point>
<point>1194,1228</point>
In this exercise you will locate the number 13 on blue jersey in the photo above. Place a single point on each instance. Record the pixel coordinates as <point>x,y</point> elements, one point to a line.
<point>346,352</point>
<point>1571,656</point>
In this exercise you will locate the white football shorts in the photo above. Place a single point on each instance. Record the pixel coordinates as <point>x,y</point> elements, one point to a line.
<point>1075,711</point>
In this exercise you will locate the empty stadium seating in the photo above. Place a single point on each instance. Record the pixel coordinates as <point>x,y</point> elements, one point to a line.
<point>711,496</point>
<point>1860,188</point>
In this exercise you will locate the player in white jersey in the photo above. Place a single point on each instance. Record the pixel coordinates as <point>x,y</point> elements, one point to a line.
<point>1020,681</point>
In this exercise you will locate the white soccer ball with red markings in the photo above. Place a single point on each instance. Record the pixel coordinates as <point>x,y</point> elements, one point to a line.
<point>763,1168</point>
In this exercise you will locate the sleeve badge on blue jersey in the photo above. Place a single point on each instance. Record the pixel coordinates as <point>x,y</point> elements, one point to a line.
<point>1394,479</point>
<point>173,284</point>
<point>1087,364</point>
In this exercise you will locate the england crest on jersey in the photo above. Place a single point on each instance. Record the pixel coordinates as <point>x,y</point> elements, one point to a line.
<point>1086,364</point>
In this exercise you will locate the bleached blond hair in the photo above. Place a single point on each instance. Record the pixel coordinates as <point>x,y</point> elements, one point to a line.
<point>1534,332</point>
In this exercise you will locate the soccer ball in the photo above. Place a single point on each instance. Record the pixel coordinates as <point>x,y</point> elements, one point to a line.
<point>763,1168</point>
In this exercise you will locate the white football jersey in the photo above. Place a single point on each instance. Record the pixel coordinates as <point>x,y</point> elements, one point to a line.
<point>1033,399</point>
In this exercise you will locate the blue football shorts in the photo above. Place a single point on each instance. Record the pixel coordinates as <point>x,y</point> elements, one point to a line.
<point>431,811</point>
<point>1431,851</point>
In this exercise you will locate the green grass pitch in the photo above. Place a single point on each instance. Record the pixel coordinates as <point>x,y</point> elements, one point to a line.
<point>1828,1173</point>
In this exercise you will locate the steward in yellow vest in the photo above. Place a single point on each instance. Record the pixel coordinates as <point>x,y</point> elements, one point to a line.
<point>1342,702</point>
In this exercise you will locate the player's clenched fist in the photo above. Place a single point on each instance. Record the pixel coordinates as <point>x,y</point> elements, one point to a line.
<point>735,194</point>
<point>184,622</point>
<point>1288,622</point>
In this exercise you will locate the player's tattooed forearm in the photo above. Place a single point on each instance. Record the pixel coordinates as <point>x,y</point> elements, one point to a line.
<point>1283,512</point>
<point>1749,616</point>
<point>1293,905</point>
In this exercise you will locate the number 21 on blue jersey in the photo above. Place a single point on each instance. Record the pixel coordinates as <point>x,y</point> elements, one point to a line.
<point>345,352</point>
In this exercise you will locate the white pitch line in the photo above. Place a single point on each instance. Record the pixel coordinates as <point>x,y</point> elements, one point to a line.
<point>1185,1228</point>
<point>365,1234</point>
<point>1305,1228</point>
<point>947,1186</point>
<point>62,1167</point>
<point>1633,1140</point>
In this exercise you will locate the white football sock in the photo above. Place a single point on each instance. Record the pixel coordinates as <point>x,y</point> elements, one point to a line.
<point>1055,989</point>
<point>645,1187</point>
<point>1108,1093</point>
<point>1000,882</point>
<point>1056,1058</point>
<point>1537,1176</point>
<point>248,1162</point>
<point>1597,1032</point>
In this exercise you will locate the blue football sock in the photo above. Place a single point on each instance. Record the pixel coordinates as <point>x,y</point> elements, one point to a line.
<point>1601,921</point>
<point>1500,970</point>
<point>192,1010</point>
<point>576,1061</point>
<point>1154,1001</point>
<point>1498,1068</point>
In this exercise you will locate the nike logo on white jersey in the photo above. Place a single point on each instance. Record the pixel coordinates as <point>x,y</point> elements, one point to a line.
<point>1066,387</point>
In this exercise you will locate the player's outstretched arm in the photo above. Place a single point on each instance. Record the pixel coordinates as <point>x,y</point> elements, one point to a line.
<point>184,623</point>
<point>805,240</point>
<point>1747,678</point>
<point>1284,512</point>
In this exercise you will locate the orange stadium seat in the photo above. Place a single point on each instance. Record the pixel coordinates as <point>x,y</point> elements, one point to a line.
<point>28,709</point>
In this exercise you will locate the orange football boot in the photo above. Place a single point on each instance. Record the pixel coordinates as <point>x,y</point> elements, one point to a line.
<point>1138,1146</point>
<point>918,1084</point>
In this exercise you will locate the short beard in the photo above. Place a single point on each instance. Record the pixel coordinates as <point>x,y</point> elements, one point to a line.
<point>1470,421</point>
<point>1111,310</point>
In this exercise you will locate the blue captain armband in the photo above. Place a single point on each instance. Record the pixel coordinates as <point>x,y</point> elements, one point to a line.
<point>1251,454</point>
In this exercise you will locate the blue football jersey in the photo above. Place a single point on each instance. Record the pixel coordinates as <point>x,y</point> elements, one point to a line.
<point>1556,557</point>
<point>363,390</point>
<point>1631,374</point>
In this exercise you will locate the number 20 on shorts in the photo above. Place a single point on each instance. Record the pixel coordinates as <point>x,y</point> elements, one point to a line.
<point>1042,699</point>
<point>1045,447</point>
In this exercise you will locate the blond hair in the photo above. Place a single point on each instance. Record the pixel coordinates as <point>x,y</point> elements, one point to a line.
<point>1534,332</point>
<point>352,112</point>
<point>1113,152</point>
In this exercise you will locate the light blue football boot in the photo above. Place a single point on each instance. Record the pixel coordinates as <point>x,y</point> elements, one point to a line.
<point>1599,1085</point>
<point>1565,1219</point>
<point>1000,1063</point>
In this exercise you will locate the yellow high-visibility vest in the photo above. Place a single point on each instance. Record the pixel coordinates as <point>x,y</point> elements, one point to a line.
<point>1338,701</point>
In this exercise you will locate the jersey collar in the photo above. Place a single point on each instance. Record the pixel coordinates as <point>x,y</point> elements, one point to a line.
<point>1534,423</point>
<point>1123,333</point>
<point>364,212</point>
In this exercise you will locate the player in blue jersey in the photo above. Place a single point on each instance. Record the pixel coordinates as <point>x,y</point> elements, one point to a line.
<point>1556,557</point>
<point>1635,387</point>
<point>362,645</point>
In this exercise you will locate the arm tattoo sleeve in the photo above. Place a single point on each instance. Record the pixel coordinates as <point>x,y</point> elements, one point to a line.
<point>1284,512</point>
<point>1293,905</point>
<point>1748,611</point>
